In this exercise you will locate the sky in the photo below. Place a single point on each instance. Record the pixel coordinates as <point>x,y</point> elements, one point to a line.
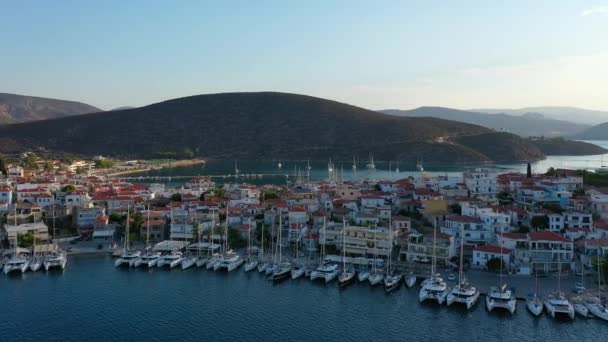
<point>374,54</point>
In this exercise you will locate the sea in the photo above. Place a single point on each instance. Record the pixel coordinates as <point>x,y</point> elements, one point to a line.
<point>93,301</point>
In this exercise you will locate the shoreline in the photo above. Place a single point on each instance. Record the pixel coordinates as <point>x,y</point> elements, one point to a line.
<point>165,165</point>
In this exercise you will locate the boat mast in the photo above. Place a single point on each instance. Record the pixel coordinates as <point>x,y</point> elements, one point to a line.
<point>460,271</point>
<point>212,231</point>
<point>148,230</point>
<point>127,231</point>
<point>262,247</point>
<point>390,248</point>
<point>343,245</point>
<point>226,228</point>
<point>280,236</point>
<point>324,241</point>
<point>375,249</point>
<point>249,240</point>
<point>434,243</point>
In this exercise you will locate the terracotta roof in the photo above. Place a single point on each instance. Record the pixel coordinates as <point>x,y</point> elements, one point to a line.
<point>515,236</point>
<point>492,249</point>
<point>547,236</point>
<point>464,219</point>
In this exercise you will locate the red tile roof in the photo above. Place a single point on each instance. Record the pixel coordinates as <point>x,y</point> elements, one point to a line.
<point>547,236</point>
<point>492,249</point>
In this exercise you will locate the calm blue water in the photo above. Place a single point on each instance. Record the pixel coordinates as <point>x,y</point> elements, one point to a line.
<point>93,301</point>
<point>384,169</point>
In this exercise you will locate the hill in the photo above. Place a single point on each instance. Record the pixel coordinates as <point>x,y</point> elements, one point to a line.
<point>524,125</point>
<point>20,108</point>
<point>266,125</point>
<point>598,132</point>
<point>583,116</point>
<point>563,147</point>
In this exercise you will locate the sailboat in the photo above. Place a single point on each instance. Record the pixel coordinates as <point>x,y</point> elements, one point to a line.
<point>556,303</point>
<point>17,263</point>
<point>230,260</point>
<point>533,301</point>
<point>149,259</point>
<point>347,275</point>
<point>463,293</point>
<point>376,276</point>
<point>251,263</point>
<point>57,258</point>
<point>272,264</point>
<point>393,278</point>
<point>434,287</point>
<point>214,257</point>
<point>128,257</point>
<point>35,262</point>
<point>283,270</point>
<point>596,306</point>
<point>501,297</point>
<point>298,269</point>
<point>411,279</point>
<point>262,265</point>
<point>326,271</point>
<point>577,302</point>
<point>173,258</point>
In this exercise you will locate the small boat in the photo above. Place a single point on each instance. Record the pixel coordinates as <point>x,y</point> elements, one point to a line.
<point>250,265</point>
<point>375,278</point>
<point>410,281</point>
<point>297,272</point>
<point>270,268</point>
<point>558,305</point>
<point>262,267</point>
<point>282,272</point>
<point>534,304</point>
<point>392,282</point>
<point>188,262</point>
<point>362,276</point>
<point>346,277</point>
<point>127,258</point>
<point>501,298</point>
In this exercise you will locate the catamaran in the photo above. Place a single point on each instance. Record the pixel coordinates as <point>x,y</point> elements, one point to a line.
<point>173,258</point>
<point>326,271</point>
<point>347,275</point>
<point>501,297</point>
<point>434,288</point>
<point>230,260</point>
<point>463,293</point>
<point>35,261</point>
<point>57,258</point>
<point>595,305</point>
<point>128,257</point>
<point>375,277</point>
<point>149,259</point>
<point>556,303</point>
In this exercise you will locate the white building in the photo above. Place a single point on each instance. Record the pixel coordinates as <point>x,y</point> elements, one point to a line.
<point>481,182</point>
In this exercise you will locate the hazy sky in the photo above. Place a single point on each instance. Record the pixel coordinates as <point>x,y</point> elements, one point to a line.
<point>375,54</point>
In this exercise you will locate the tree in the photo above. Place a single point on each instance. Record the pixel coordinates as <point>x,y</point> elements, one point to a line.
<point>115,217</point>
<point>68,188</point>
<point>2,167</point>
<point>104,163</point>
<point>504,198</point>
<point>270,195</point>
<point>25,240</point>
<point>234,239</point>
<point>540,222</point>
<point>177,197</point>
<point>554,207</point>
<point>494,264</point>
<point>529,171</point>
<point>456,208</point>
<point>137,220</point>
<point>551,172</point>
<point>578,192</point>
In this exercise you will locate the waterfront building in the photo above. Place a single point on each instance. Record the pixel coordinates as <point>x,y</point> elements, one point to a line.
<point>482,254</point>
<point>418,247</point>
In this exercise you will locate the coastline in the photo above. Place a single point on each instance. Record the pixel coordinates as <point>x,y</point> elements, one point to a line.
<point>160,166</point>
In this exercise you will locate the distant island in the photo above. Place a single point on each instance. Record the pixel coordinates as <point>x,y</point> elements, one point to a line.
<point>598,132</point>
<point>270,125</point>
<point>20,108</point>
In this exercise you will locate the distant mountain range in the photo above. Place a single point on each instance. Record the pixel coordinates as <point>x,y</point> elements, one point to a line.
<point>598,132</point>
<point>583,116</point>
<point>19,108</point>
<point>269,125</point>
<point>526,125</point>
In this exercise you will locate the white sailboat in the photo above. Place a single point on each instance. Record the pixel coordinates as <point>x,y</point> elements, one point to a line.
<point>283,269</point>
<point>595,305</point>
<point>230,260</point>
<point>393,278</point>
<point>251,263</point>
<point>326,271</point>
<point>347,275</point>
<point>17,263</point>
<point>149,258</point>
<point>556,303</point>
<point>35,261</point>
<point>434,288</point>
<point>533,302</point>
<point>375,277</point>
<point>298,269</point>
<point>211,258</point>
<point>410,281</point>
<point>262,265</point>
<point>128,257</point>
<point>501,297</point>
<point>463,293</point>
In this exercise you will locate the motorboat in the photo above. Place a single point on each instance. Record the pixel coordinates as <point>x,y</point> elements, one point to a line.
<point>557,305</point>
<point>463,293</point>
<point>392,282</point>
<point>433,288</point>
<point>410,281</point>
<point>326,272</point>
<point>55,259</point>
<point>282,272</point>
<point>534,304</point>
<point>501,298</point>
<point>170,260</point>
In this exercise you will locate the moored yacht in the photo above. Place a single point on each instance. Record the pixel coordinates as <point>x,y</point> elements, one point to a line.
<point>55,259</point>
<point>463,293</point>
<point>347,276</point>
<point>534,304</point>
<point>375,278</point>
<point>325,272</point>
<point>579,306</point>
<point>410,281</point>
<point>501,298</point>
<point>127,258</point>
<point>35,264</point>
<point>597,309</point>
<point>433,288</point>
<point>558,305</point>
<point>297,271</point>
<point>16,264</point>
<point>282,272</point>
<point>228,262</point>
<point>149,259</point>
<point>188,262</point>
<point>362,275</point>
<point>392,281</point>
<point>171,260</point>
